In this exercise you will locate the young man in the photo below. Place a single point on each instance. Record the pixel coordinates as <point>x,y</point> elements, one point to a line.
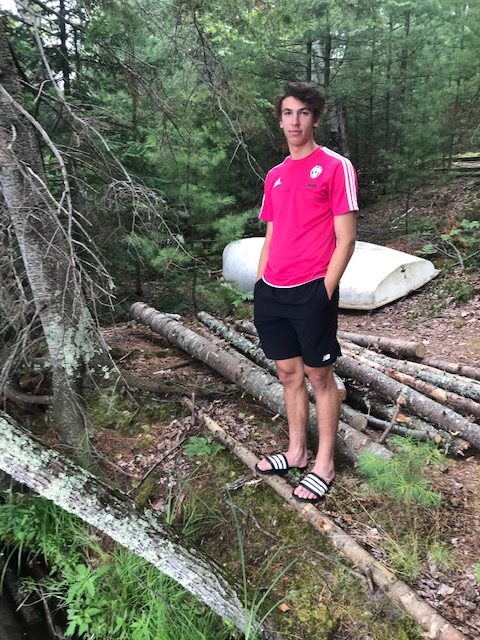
<point>309,205</point>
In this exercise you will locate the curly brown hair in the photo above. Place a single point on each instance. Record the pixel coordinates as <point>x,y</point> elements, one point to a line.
<point>306,92</point>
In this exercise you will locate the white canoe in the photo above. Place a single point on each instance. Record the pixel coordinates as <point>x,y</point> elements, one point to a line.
<point>374,277</point>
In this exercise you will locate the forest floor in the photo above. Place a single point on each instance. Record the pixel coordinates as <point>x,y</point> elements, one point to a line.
<point>435,550</point>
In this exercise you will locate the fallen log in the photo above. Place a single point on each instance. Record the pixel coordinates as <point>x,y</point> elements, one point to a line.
<point>144,532</point>
<point>247,376</point>
<point>372,407</point>
<point>353,418</point>
<point>395,346</point>
<point>253,352</point>
<point>245,326</point>
<point>460,403</point>
<point>466,370</point>
<point>416,402</point>
<point>9,392</point>
<point>437,627</point>
<point>167,387</point>
<point>451,382</point>
<point>397,429</point>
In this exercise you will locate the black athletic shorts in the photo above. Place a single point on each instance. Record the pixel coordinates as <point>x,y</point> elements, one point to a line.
<point>297,321</point>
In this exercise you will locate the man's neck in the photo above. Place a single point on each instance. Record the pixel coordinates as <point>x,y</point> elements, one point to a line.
<point>297,153</point>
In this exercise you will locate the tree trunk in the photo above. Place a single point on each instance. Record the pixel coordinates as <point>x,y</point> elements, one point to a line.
<point>399,592</point>
<point>466,370</point>
<point>364,403</point>
<point>74,343</point>
<point>398,429</point>
<point>247,376</point>
<point>143,532</point>
<point>388,81</point>
<point>395,346</point>
<point>458,384</point>
<point>64,56</point>
<point>458,402</point>
<point>308,71</point>
<point>416,402</point>
<point>402,83</point>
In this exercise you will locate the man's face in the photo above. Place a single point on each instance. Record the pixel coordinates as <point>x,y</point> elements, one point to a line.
<point>297,122</point>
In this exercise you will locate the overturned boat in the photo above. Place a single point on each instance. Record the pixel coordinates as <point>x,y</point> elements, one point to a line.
<point>374,277</point>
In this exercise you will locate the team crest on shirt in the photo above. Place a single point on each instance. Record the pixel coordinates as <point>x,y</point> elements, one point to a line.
<point>316,171</point>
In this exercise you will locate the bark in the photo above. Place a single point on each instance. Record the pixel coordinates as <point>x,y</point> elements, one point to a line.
<point>75,346</point>
<point>395,346</point>
<point>466,370</point>
<point>353,418</point>
<point>24,399</point>
<point>168,387</point>
<point>247,376</point>
<point>415,402</point>
<point>373,407</point>
<point>458,384</point>
<point>143,532</point>
<point>253,352</point>
<point>308,72</point>
<point>398,429</point>
<point>465,405</point>
<point>387,83</point>
<point>63,48</point>
<point>245,326</point>
<point>398,592</point>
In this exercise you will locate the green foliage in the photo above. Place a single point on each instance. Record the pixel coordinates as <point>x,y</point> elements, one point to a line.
<point>403,477</point>
<point>477,572</point>
<point>184,103</point>
<point>108,410</point>
<point>441,555</point>
<point>231,227</point>
<point>199,446</point>
<point>253,602</point>
<point>114,410</point>
<point>459,289</point>
<point>221,298</point>
<point>105,595</point>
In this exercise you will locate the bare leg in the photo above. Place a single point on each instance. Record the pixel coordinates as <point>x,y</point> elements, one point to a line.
<point>328,409</point>
<point>291,373</point>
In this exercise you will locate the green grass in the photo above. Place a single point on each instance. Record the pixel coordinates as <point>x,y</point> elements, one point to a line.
<point>105,595</point>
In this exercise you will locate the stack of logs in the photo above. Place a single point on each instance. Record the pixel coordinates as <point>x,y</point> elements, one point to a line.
<point>388,388</point>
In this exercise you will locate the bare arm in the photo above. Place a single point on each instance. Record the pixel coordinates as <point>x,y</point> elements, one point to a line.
<point>262,263</point>
<point>345,232</point>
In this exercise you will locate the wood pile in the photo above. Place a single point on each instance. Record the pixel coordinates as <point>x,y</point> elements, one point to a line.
<point>387,389</point>
<point>405,396</point>
<point>226,357</point>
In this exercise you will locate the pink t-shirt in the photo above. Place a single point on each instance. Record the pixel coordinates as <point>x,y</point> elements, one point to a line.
<point>301,198</point>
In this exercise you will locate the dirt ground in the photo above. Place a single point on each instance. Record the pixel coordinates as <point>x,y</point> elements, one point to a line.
<point>451,333</point>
